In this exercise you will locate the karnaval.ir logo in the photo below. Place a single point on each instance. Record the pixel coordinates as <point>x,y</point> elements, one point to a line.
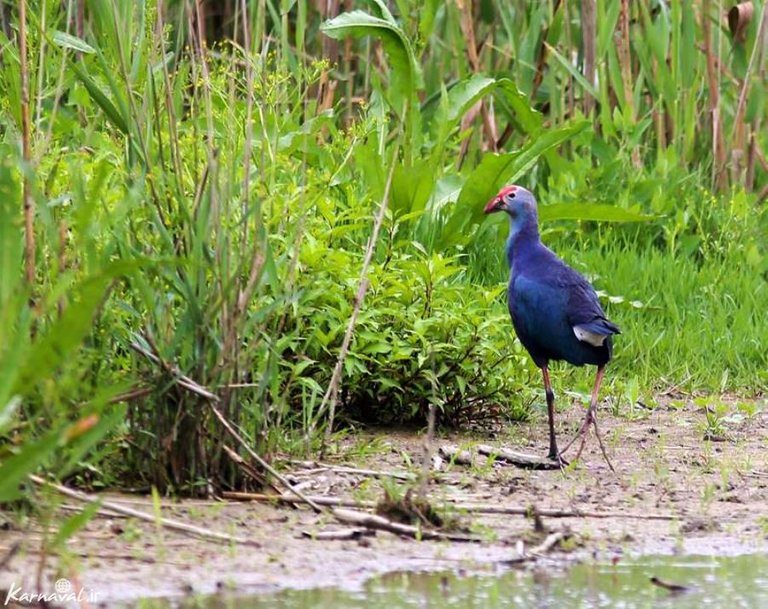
<point>63,592</point>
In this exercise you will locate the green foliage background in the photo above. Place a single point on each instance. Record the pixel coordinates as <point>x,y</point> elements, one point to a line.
<point>206,181</point>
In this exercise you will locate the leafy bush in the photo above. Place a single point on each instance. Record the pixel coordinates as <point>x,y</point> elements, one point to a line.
<point>422,338</point>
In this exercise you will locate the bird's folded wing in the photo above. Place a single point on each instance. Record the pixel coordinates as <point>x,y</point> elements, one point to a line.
<point>595,332</point>
<point>587,317</point>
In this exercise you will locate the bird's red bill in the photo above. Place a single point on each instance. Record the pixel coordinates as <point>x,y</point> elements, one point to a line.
<point>492,205</point>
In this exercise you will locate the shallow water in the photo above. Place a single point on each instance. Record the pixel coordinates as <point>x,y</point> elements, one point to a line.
<point>730,581</point>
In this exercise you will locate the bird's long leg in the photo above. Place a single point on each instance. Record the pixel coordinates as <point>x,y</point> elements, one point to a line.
<point>600,442</point>
<point>554,454</point>
<point>591,419</point>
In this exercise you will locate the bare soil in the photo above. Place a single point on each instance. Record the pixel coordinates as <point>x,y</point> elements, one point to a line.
<point>709,474</point>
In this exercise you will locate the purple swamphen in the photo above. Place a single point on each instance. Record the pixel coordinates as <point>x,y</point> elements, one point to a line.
<point>555,311</point>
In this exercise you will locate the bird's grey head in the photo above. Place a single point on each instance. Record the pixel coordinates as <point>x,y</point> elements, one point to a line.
<point>520,205</point>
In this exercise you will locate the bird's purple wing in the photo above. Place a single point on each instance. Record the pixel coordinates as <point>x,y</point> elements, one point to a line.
<point>586,316</point>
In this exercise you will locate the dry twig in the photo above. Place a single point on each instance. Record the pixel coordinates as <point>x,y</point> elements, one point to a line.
<point>372,521</point>
<point>165,522</point>
<point>546,546</point>
<point>317,466</point>
<point>470,508</point>
<point>518,459</point>
<point>341,535</point>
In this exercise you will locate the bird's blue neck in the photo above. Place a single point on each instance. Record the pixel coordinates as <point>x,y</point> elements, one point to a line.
<point>523,237</point>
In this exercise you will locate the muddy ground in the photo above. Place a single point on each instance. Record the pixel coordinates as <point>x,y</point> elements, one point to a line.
<point>708,473</point>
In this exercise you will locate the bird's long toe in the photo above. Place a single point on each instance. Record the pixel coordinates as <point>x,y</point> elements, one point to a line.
<point>561,461</point>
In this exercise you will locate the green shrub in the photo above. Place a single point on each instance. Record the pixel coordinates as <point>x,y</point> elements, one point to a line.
<point>422,337</point>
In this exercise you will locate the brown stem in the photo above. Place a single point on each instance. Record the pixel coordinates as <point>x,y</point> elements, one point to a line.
<point>719,174</point>
<point>588,40</point>
<point>626,71</point>
<point>28,203</point>
<point>739,126</point>
<point>468,29</point>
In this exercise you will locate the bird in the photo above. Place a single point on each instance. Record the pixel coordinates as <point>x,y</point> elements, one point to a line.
<point>555,311</point>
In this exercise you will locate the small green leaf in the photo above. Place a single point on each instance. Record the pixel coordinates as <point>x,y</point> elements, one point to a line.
<point>68,41</point>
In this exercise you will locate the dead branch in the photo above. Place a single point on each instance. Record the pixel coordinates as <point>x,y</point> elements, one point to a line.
<point>317,467</point>
<point>341,535</point>
<point>372,521</point>
<point>165,522</point>
<point>319,500</point>
<point>518,459</point>
<point>550,542</point>
<point>470,508</point>
<point>455,455</point>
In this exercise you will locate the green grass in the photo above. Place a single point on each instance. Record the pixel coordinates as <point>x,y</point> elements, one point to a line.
<point>211,206</point>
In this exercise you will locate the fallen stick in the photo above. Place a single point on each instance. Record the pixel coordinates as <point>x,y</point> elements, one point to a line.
<point>546,546</point>
<point>518,459</point>
<point>482,508</point>
<point>261,461</point>
<point>318,499</point>
<point>552,540</point>
<point>373,521</point>
<point>165,522</point>
<point>103,513</point>
<point>455,455</point>
<point>318,467</point>
<point>472,508</point>
<point>338,535</point>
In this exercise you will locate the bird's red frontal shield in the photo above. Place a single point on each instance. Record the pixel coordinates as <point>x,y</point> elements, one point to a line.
<point>494,204</point>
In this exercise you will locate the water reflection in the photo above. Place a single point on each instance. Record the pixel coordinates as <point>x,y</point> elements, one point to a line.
<point>732,581</point>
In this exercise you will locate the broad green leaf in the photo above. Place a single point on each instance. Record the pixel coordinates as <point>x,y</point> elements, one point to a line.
<point>68,41</point>
<point>530,120</point>
<point>113,114</point>
<point>66,333</point>
<point>383,11</point>
<point>405,72</point>
<point>411,187</point>
<point>590,211</point>
<point>465,94</point>
<point>493,172</point>
<point>446,191</point>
